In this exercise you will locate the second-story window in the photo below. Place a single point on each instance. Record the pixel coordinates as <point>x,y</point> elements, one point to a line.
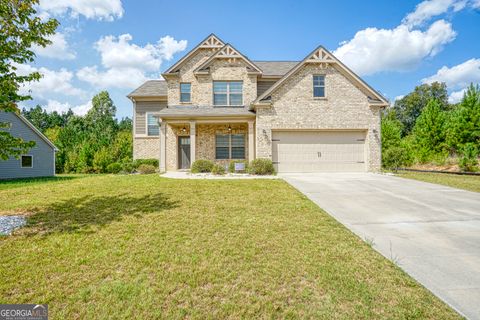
<point>228,93</point>
<point>185,92</point>
<point>318,86</point>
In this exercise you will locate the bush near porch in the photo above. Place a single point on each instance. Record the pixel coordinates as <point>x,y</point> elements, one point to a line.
<point>256,167</point>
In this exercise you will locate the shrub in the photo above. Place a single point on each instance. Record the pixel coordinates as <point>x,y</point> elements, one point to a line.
<point>128,166</point>
<point>202,165</point>
<point>114,167</point>
<point>469,161</point>
<point>218,169</point>
<point>146,169</point>
<point>261,167</point>
<point>152,162</point>
<point>231,165</point>
<point>395,157</point>
<point>101,160</point>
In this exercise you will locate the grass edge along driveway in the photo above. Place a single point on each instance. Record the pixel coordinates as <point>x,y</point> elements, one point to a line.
<point>465,182</point>
<point>146,247</point>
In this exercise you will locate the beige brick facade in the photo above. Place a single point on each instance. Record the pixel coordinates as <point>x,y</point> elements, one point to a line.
<point>294,107</point>
<point>146,148</point>
<point>202,85</point>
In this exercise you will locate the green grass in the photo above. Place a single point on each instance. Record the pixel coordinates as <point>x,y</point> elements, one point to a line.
<point>145,247</point>
<point>471,183</point>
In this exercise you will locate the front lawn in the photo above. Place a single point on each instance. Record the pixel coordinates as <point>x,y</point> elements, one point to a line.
<point>144,247</point>
<point>471,183</point>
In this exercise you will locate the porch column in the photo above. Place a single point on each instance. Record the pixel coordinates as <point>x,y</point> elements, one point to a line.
<point>192,140</point>
<point>251,141</point>
<point>163,145</point>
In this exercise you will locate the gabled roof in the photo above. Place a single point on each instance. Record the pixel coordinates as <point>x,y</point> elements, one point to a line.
<point>323,56</point>
<point>210,42</point>
<point>275,68</point>
<point>151,88</point>
<point>227,52</point>
<point>34,129</point>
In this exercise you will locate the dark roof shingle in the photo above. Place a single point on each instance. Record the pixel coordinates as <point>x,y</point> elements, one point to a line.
<point>150,88</point>
<point>275,68</point>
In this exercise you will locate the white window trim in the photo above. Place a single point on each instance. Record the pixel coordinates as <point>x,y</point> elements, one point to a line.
<point>227,93</point>
<point>146,126</point>
<point>180,90</point>
<point>324,86</point>
<point>26,155</point>
<point>230,145</point>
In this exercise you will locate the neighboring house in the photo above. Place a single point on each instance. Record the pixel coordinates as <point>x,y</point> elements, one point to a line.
<point>39,161</point>
<point>215,103</point>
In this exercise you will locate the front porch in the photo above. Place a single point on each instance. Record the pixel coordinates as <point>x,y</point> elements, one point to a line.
<point>182,141</point>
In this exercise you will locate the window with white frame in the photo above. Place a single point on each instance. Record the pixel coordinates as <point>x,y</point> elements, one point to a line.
<point>318,86</point>
<point>27,161</point>
<point>227,93</point>
<point>229,146</point>
<point>185,92</point>
<point>153,129</point>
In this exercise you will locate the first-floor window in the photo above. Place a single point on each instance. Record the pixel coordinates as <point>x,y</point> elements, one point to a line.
<point>153,128</point>
<point>229,146</point>
<point>27,161</point>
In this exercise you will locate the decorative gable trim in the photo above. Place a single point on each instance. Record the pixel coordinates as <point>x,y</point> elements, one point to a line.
<point>227,52</point>
<point>323,57</point>
<point>210,42</point>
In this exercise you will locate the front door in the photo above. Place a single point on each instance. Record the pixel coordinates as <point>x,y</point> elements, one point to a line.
<point>183,152</point>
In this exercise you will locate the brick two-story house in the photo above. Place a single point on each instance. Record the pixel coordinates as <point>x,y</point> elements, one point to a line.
<point>215,103</point>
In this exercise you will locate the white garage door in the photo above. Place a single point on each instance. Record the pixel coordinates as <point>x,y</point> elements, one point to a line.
<point>317,151</point>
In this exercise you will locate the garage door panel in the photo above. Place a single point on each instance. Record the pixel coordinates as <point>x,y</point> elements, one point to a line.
<point>316,151</point>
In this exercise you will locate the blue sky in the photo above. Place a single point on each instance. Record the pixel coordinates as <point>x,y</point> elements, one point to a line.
<point>115,45</point>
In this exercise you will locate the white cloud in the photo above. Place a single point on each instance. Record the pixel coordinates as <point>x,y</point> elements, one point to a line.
<point>400,49</point>
<point>119,53</point>
<point>168,46</point>
<point>428,9</point>
<point>456,96</point>
<point>112,78</point>
<point>458,76</point>
<point>58,82</point>
<point>54,105</point>
<point>126,63</point>
<point>92,9</point>
<point>58,49</point>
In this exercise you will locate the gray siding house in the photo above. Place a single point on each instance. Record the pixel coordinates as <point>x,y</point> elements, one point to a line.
<point>38,162</point>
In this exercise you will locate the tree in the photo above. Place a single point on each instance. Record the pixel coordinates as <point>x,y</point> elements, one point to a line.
<point>464,123</point>
<point>20,29</point>
<point>391,132</point>
<point>409,108</point>
<point>429,131</point>
<point>101,120</point>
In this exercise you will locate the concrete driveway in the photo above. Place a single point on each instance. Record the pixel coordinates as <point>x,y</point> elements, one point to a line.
<point>431,231</point>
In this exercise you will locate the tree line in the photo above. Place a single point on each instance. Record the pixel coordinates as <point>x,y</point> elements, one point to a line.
<point>423,127</point>
<point>96,142</point>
